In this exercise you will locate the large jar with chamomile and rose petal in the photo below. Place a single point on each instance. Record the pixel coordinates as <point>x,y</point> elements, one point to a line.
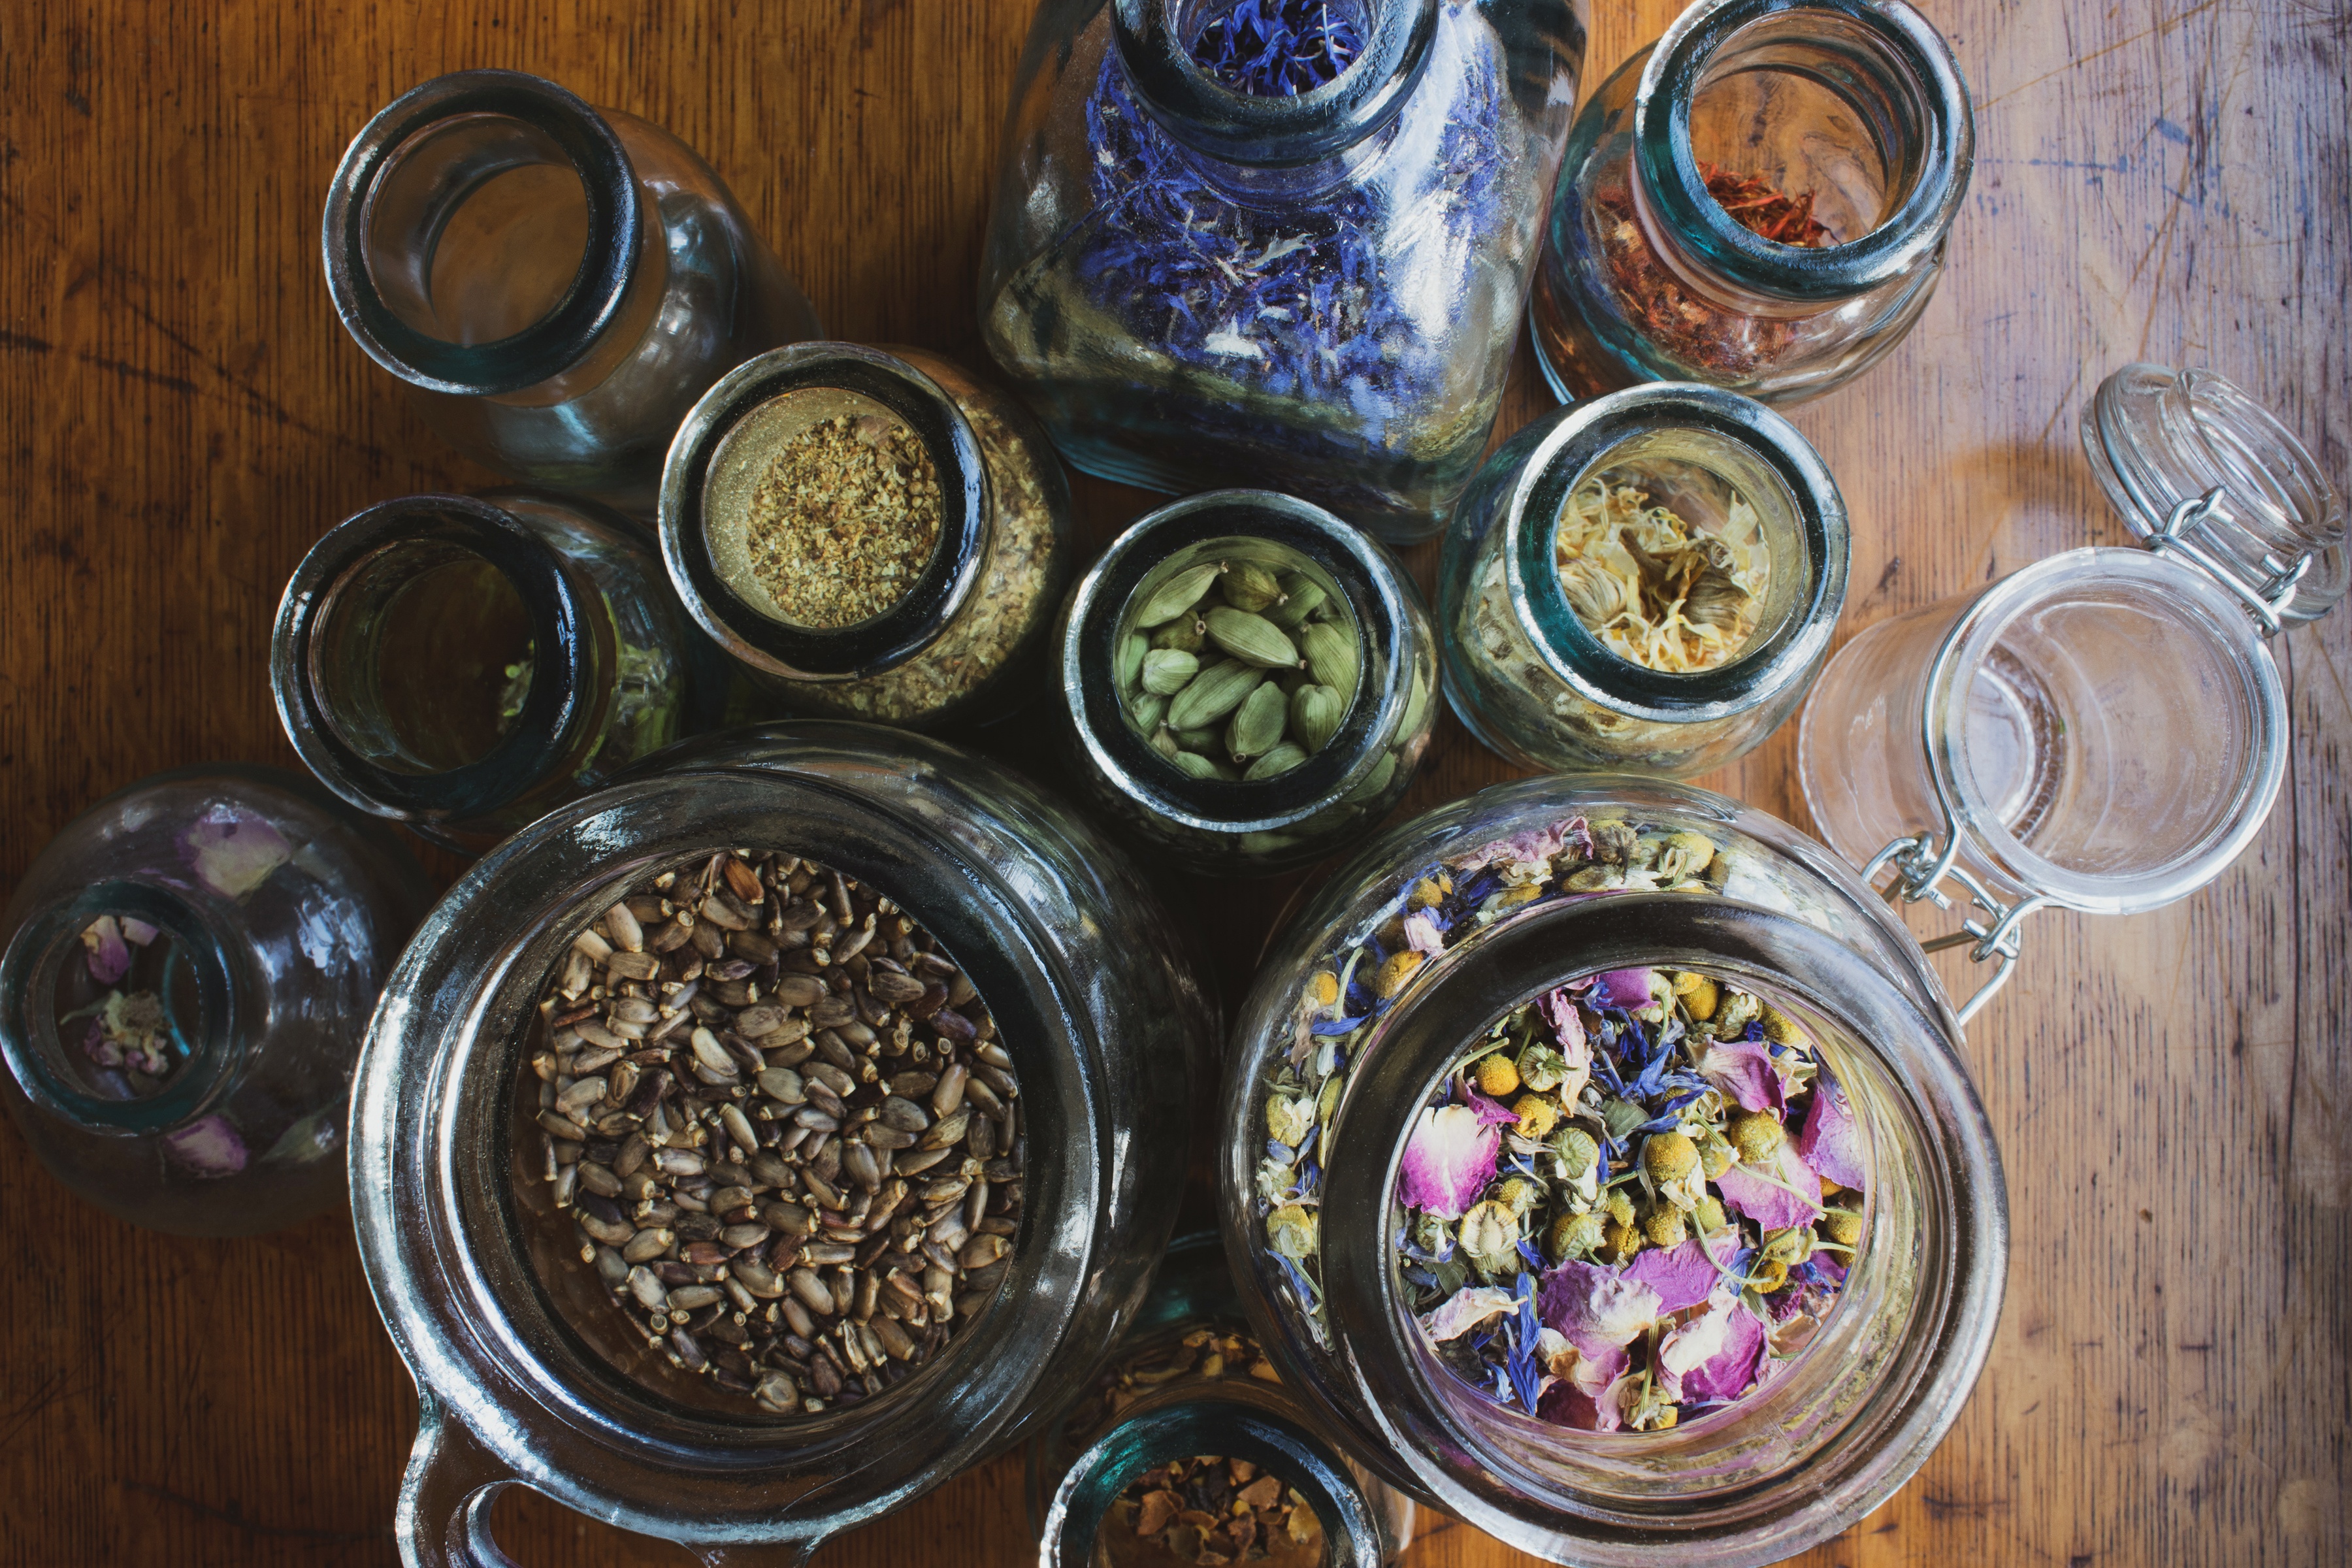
<point>1599,1161</point>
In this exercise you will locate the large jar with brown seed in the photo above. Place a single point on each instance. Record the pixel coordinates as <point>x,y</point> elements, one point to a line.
<point>1246,680</point>
<point>797,1112</point>
<point>870,533</point>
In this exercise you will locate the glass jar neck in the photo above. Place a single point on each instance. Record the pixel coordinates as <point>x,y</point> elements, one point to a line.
<point>718,457</point>
<point>1278,128</point>
<point>1901,111</point>
<point>203,1015</point>
<point>436,659</point>
<point>459,290</point>
<point>1657,427</point>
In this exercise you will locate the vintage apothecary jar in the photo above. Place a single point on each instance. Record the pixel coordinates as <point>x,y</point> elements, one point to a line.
<point>1345,623</point>
<point>188,970</point>
<point>1533,884</point>
<point>1188,1381</point>
<point>463,663</point>
<point>1284,244</point>
<point>1757,201</point>
<point>960,636</point>
<point>2105,730</point>
<point>1563,651</point>
<point>526,1371</point>
<point>556,284</point>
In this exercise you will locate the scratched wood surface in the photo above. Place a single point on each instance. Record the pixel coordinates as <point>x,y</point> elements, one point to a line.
<point>2157,179</point>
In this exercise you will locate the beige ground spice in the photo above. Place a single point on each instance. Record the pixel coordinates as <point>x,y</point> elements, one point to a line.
<point>843,520</point>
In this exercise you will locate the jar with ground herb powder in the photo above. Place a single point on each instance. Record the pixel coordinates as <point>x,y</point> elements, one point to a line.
<point>1759,201</point>
<point>869,534</point>
<point>1646,581</point>
<point>753,1146</point>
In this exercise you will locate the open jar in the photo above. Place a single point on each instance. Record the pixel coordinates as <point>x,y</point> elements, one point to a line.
<point>556,284</point>
<point>463,663</point>
<point>1645,581</point>
<point>492,1276</point>
<point>1284,244</point>
<point>2105,730</point>
<point>869,534</point>
<point>1402,964</point>
<point>188,970</point>
<point>1191,1408</point>
<point>1757,201</point>
<point>1246,680</point>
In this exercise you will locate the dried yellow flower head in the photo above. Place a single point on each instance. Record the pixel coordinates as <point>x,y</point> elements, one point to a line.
<point>1779,1028</point>
<point>1395,972</point>
<point>1537,1115</point>
<point>1664,1226</point>
<point>1324,988</point>
<point>1497,1077</point>
<point>1668,1157</point>
<point>1619,1206</point>
<point>1574,1235</point>
<point>1701,997</point>
<point>1619,1243</point>
<point>1709,1215</point>
<point>1843,1227</point>
<point>1757,1135</point>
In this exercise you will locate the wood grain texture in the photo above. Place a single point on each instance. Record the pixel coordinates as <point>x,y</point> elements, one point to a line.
<point>2157,179</point>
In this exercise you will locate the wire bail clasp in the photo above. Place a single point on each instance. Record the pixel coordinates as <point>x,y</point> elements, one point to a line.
<point>2267,598</point>
<point>1919,866</point>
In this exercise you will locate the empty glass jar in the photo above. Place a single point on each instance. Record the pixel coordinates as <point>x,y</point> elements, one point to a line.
<point>1177,769</point>
<point>1404,961</point>
<point>2105,730</point>
<point>1757,201</point>
<point>1283,245</point>
<point>957,631</point>
<point>527,1374</point>
<point>556,284</point>
<point>1566,649</point>
<point>188,970</point>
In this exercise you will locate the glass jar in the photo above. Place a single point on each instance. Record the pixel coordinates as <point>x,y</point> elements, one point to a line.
<point>463,663</point>
<point>1175,1394</point>
<point>188,968</point>
<point>475,1271</point>
<point>1199,274</point>
<point>556,284</point>
<point>1532,680</point>
<point>1840,129</point>
<point>2105,730</point>
<point>1236,825</point>
<point>965,639</point>
<point>1535,884</point>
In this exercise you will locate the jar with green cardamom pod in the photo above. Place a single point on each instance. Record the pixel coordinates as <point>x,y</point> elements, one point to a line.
<point>1247,679</point>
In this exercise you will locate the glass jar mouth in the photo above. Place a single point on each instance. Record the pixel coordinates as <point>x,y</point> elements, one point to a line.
<point>1090,645</point>
<point>2203,611</point>
<point>1891,68</point>
<point>1273,130</point>
<point>697,478</point>
<point>515,117</point>
<point>39,1058</point>
<point>330,625</point>
<point>1770,462</point>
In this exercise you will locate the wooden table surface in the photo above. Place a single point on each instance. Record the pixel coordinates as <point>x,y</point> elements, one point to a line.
<point>2156,179</point>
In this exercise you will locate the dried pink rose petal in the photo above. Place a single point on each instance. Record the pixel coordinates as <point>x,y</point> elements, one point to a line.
<point>1577,1398</point>
<point>1731,1371</point>
<point>1680,1274</point>
<point>139,933</point>
<point>1492,1112</point>
<point>207,1147</point>
<point>1448,1161</point>
<point>235,850</point>
<point>1598,1309</point>
<point>1422,935</point>
<point>1524,858</point>
<point>110,957</point>
<point>1832,1141</point>
<point>1687,1346</point>
<point>1628,988</point>
<point>1466,1310</point>
<point>1775,1207</point>
<point>1743,1069</point>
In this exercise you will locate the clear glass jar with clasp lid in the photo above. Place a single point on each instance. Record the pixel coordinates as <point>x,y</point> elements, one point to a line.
<point>1759,201</point>
<point>1183,780</point>
<point>1188,1385</point>
<point>1646,581</point>
<point>525,1372</point>
<point>1409,956</point>
<point>1284,244</point>
<point>556,284</point>
<point>926,607</point>
<point>188,970</point>
<point>2107,729</point>
<point>463,663</point>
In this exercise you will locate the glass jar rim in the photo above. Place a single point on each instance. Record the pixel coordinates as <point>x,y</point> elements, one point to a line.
<point>558,339</point>
<point>949,579</point>
<point>1585,435</point>
<point>1940,152</point>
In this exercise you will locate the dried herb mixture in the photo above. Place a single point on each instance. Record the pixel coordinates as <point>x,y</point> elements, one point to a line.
<point>1656,591</point>
<point>844,520</point>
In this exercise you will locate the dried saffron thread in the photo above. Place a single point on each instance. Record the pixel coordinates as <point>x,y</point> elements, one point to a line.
<point>1763,211</point>
<point>1278,48</point>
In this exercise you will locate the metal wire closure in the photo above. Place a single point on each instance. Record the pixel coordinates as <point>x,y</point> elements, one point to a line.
<point>2267,598</point>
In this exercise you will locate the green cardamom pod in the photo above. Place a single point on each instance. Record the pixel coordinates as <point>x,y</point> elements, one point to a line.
<point>1301,597</point>
<point>1257,722</point>
<point>1146,711</point>
<point>1253,640</point>
<point>1280,760</point>
<point>1293,682</point>
<point>1330,656</point>
<point>1202,739</point>
<point>1178,595</point>
<point>1185,632</point>
<point>1131,649</point>
<point>1166,670</point>
<point>1315,714</point>
<point>1201,767</point>
<point>1163,742</point>
<point>1213,693</point>
<point>1250,587</point>
<point>1373,782</point>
